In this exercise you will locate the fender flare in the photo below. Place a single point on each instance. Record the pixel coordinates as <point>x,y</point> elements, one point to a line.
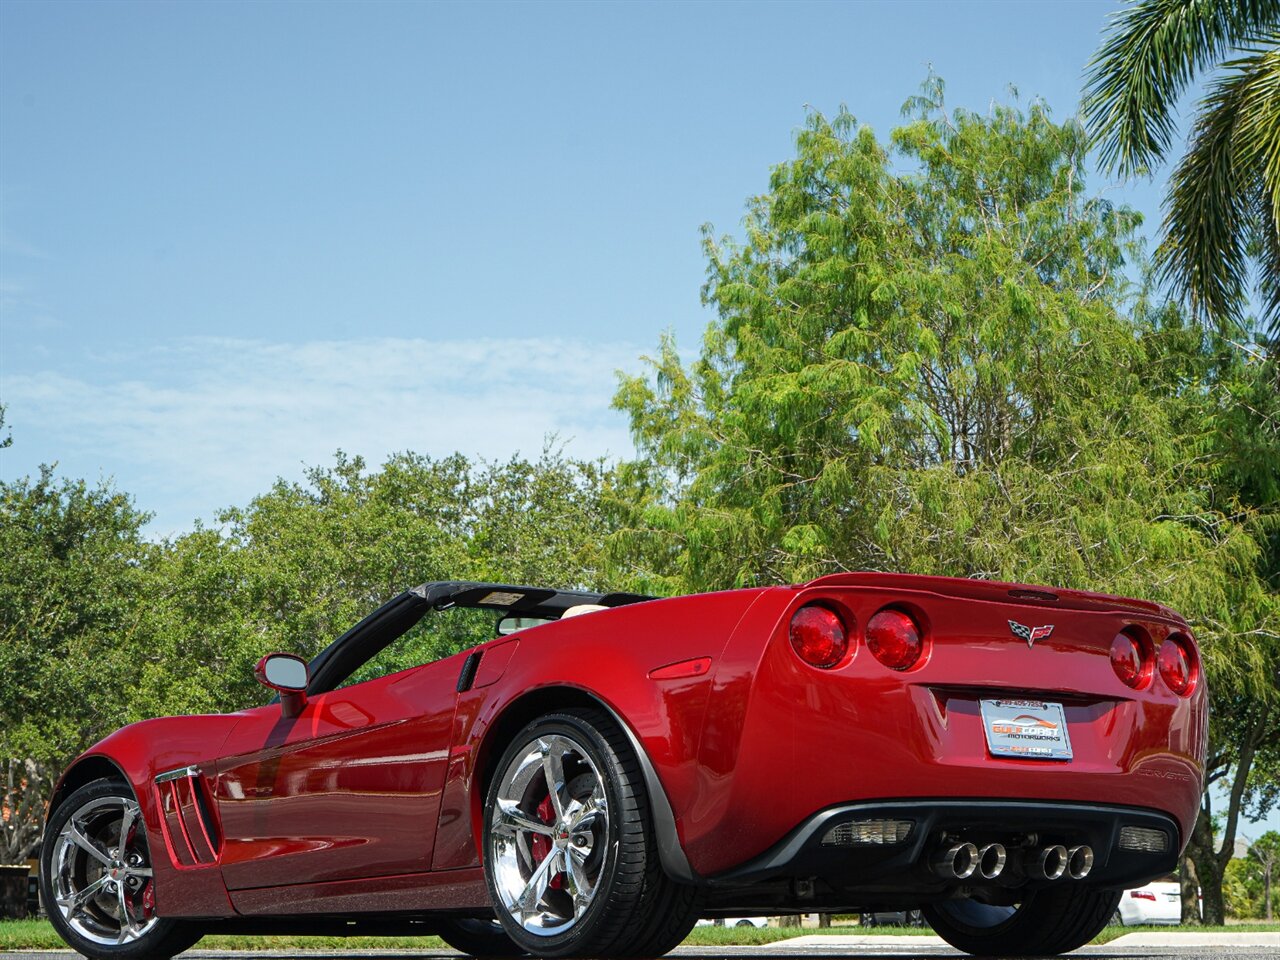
<point>670,853</point>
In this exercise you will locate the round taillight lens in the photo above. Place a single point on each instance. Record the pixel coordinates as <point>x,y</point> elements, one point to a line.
<point>1177,665</point>
<point>818,636</point>
<point>1129,660</point>
<point>894,638</point>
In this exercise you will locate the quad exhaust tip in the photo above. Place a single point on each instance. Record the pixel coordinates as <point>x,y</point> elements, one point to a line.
<point>1051,862</point>
<point>1079,862</point>
<point>962,860</point>
<point>956,862</point>
<point>991,860</point>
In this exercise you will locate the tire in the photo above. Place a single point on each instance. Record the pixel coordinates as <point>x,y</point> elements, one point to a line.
<point>744,923</point>
<point>575,872</point>
<point>95,889</point>
<point>478,938</point>
<point>1050,921</point>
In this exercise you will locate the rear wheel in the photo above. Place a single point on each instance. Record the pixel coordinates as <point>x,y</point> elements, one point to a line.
<point>571,857</point>
<point>1050,921</point>
<point>96,882</point>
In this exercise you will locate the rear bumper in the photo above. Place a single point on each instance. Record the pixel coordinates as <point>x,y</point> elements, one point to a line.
<point>840,870</point>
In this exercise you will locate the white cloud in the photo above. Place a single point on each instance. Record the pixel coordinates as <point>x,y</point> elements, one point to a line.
<point>197,424</point>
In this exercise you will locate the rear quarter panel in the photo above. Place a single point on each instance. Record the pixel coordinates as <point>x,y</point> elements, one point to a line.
<point>607,655</point>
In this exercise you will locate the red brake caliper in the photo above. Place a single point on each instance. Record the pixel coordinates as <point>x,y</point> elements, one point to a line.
<point>148,890</point>
<point>540,845</point>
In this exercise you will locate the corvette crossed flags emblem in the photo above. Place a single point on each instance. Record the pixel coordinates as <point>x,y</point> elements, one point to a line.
<point>1031,634</point>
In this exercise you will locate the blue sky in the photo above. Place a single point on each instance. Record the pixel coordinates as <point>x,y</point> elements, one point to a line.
<point>235,237</point>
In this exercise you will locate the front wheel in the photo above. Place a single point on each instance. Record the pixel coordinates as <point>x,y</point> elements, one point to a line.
<point>571,857</point>
<point>1048,922</point>
<point>95,878</point>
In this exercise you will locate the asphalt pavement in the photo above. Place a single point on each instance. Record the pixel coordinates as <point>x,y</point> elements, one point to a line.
<point>1182,946</point>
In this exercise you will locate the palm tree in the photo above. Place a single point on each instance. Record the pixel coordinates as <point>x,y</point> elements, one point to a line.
<point>1221,233</point>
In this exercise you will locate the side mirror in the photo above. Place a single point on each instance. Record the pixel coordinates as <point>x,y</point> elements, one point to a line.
<point>287,674</point>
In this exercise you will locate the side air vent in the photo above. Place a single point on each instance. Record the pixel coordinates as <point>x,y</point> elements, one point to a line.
<point>190,828</point>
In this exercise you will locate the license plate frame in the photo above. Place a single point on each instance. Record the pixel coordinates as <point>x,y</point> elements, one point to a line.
<point>1026,729</point>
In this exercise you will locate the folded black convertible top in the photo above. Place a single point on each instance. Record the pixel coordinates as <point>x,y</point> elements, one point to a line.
<point>528,601</point>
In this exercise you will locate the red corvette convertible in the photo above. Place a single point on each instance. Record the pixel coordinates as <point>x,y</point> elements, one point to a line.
<point>608,768</point>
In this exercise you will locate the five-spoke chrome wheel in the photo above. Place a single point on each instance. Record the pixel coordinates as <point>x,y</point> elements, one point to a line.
<point>101,872</point>
<point>549,829</point>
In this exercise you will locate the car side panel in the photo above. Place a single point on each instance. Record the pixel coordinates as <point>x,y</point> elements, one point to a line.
<point>348,789</point>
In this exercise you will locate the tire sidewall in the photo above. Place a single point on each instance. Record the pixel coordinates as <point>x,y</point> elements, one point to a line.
<point>600,753</point>
<point>1025,931</point>
<point>145,946</point>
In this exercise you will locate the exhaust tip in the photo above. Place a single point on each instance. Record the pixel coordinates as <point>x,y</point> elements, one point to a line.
<point>1079,862</point>
<point>1051,862</point>
<point>991,860</point>
<point>956,862</point>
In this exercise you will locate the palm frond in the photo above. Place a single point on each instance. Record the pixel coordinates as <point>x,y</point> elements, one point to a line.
<point>1153,50</point>
<point>1260,140</point>
<point>1268,262</point>
<point>1224,196</point>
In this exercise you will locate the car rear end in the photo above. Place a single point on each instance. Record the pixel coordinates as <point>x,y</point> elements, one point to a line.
<point>918,734</point>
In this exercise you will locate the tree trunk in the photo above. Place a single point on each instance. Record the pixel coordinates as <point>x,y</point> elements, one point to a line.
<point>26,787</point>
<point>1267,889</point>
<point>824,919</point>
<point>1189,884</point>
<point>1209,869</point>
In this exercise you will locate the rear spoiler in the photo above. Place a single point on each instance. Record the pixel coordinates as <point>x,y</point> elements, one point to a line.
<point>992,591</point>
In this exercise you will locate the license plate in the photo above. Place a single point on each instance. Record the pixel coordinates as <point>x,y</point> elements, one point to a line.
<point>1032,729</point>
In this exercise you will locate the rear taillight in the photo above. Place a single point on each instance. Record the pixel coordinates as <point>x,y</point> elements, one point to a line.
<point>1130,660</point>
<point>1142,895</point>
<point>894,638</point>
<point>819,636</point>
<point>1177,664</point>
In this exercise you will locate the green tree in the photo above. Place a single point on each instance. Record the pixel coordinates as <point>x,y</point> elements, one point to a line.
<point>303,562</point>
<point>1264,862</point>
<point>1240,892</point>
<point>1223,207</point>
<point>929,357</point>
<point>71,584</point>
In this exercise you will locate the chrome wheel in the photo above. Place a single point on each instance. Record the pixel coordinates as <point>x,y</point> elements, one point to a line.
<point>101,872</point>
<point>549,835</point>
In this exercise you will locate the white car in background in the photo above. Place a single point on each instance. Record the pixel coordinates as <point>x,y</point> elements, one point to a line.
<point>1154,903</point>
<point>738,922</point>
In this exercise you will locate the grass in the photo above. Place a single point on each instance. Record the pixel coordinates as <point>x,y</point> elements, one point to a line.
<point>39,935</point>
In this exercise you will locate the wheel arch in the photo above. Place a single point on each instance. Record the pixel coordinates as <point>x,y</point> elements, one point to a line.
<point>536,703</point>
<point>83,771</point>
